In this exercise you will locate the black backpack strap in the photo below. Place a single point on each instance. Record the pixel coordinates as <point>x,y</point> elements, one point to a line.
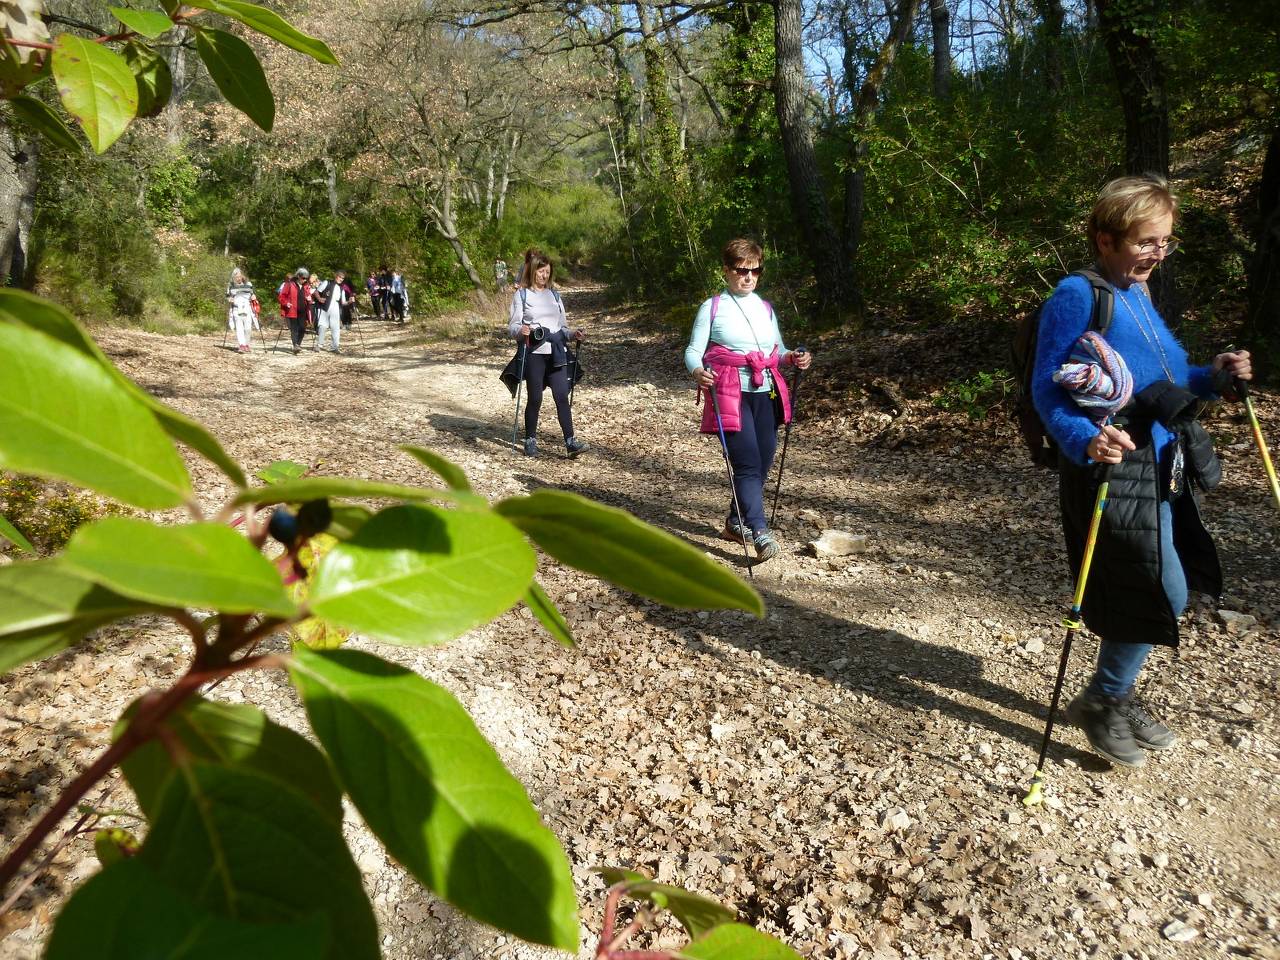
<point>1104,299</point>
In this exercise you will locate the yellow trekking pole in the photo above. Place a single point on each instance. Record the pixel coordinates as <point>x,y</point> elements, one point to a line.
<point>1242,388</point>
<point>1073,623</point>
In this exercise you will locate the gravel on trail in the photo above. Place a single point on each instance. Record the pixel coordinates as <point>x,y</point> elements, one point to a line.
<point>847,771</point>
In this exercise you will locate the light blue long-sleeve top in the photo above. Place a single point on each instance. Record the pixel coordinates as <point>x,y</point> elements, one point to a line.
<point>742,324</point>
<point>1063,320</point>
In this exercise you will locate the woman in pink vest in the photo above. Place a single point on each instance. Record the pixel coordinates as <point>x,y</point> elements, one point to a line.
<point>736,349</point>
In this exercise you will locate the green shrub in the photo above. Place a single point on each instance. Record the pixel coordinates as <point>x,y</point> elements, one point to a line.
<point>977,395</point>
<point>47,512</point>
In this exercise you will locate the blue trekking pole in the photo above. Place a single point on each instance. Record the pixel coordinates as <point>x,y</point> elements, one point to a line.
<point>728,467</point>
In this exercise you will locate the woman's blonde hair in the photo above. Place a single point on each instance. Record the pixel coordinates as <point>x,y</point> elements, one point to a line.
<point>1129,200</point>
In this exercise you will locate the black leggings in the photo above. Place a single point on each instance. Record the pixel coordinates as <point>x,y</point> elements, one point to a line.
<point>538,375</point>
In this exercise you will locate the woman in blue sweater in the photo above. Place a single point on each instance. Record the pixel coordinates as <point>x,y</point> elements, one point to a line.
<point>1152,546</point>
<point>736,349</point>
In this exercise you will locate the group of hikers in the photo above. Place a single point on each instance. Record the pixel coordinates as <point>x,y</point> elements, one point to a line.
<point>1109,385</point>
<point>311,304</point>
<point>1116,395</point>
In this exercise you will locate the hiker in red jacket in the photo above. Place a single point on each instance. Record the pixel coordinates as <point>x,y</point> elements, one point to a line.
<point>293,305</point>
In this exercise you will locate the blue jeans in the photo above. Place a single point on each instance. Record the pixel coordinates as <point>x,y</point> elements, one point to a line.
<point>751,451</point>
<point>1120,663</point>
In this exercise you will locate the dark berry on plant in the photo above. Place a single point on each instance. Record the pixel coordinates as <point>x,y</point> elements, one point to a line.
<point>314,517</point>
<point>283,526</point>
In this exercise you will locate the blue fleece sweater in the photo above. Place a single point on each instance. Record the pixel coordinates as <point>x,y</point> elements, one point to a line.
<point>1063,320</point>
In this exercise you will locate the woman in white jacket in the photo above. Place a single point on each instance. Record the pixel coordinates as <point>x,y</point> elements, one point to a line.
<point>240,308</point>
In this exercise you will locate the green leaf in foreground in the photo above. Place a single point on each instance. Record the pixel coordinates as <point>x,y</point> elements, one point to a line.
<point>437,795</point>
<point>270,24</point>
<point>234,67</point>
<point>736,941</point>
<point>149,23</point>
<point>696,914</point>
<point>446,469</point>
<point>97,435</point>
<point>316,488</point>
<point>233,841</point>
<point>155,82</point>
<point>419,575</point>
<point>27,310</point>
<point>126,912</point>
<point>44,120</point>
<point>11,533</point>
<point>348,518</point>
<point>45,607</point>
<point>204,565</point>
<point>96,87</point>
<point>614,545</point>
<point>548,614</point>
<point>233,735</point>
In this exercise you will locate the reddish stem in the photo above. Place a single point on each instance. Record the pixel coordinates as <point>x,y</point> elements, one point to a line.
<point>610,919</point>
<point>627,933</point>
<point>151,712</point>
<point>33,44</point>
<point>76,830</point>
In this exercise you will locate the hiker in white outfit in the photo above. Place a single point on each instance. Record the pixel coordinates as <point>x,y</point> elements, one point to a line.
<point>332,298</point>
<point>240,313</point>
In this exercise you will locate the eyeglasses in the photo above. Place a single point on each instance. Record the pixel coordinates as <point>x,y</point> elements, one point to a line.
<point>751,271</point>
<point>1149,247</point>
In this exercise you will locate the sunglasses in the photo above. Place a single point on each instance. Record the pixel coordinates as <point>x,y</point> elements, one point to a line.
<point>751,271</point>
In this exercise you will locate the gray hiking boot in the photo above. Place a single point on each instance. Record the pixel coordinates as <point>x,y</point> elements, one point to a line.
<point>1148,732</point>
<point>530,446</point>
<point>766,547</point>
<point>574,446</point>
<point>1106,726</point>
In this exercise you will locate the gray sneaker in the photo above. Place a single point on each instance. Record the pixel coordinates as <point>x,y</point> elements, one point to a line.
<point>1148,732</point>
<point>530,446</point>
<point>1105,724</point>
<point>734,531</point>
<point>574,446</point>
<point>766,547</point>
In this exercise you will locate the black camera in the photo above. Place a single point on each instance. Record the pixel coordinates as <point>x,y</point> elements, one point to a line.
<point>537,334</point>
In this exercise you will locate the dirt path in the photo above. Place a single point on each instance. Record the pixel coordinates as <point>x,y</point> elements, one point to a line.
<point>846,771</point>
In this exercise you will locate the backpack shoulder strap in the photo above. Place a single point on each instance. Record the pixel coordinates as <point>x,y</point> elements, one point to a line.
<point>524,299</point>
<point>1104,299</point>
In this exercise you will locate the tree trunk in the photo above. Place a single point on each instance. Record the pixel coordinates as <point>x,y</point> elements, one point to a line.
<point>18,168</point>
<point>834,272</point>
<point>1126,28</point>
<point>940,18</point>
<point>172,113</point>
<point>865,104</point>
<point>1051,17</point>
<point>1263,324</point>
<point>331,182</point>
<point>505,180</point>
<point>443,222</point>
<point>489,184</point>
<point>1140,81</point>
